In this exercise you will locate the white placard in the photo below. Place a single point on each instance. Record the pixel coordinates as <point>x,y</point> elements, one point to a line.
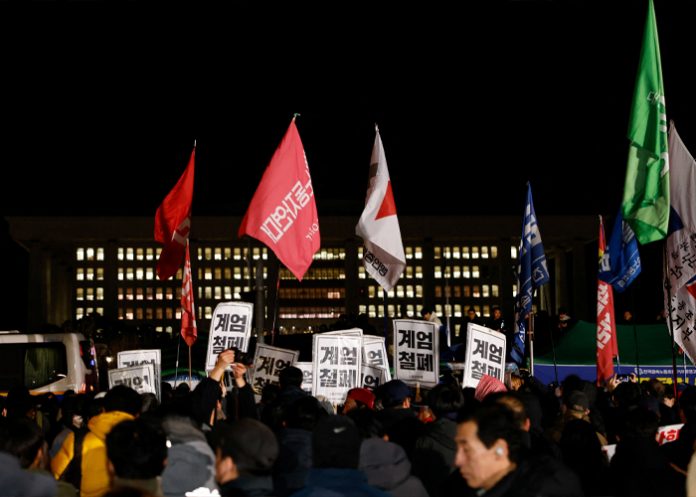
<point>336,365</point>
<point>374,353</point>
<point>230,327</point>
<point>140,378</point>
<point>668,433</point>
<point>416,352</point>
<point>373,377</point>
<point>269,361</point>
<point>306,368</point>
<point>129,358</point>
<point>485,354</point>
<point>349,332</point>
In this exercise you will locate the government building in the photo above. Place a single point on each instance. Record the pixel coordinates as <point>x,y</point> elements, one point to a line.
<point>77,266</point>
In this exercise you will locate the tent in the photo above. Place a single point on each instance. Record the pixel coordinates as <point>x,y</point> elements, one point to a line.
<point>576,353</point>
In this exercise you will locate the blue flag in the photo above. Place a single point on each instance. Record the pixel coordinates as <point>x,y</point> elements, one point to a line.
<point>532,272</point>
<point>621,262</point>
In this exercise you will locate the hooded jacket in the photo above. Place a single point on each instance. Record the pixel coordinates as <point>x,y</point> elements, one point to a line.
<point>387,467</point>
<point>95,475</point>
<point>190,460</point>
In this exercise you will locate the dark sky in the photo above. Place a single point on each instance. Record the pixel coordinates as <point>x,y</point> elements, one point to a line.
<point>101,103</point>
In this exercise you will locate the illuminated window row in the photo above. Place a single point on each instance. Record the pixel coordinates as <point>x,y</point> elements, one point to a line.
<point>410,252</point>
<point>465,252</point>
<point>89,254</point>
<point>228,273</point>
<point>466,272</point>
<point>138,274</point>
<point>81,312</point>
<point>157,293</point>
<point>138,253</point>
<point>230,253</point>
<point>443,311</point>
<point>148,313</point>
<point>96,293</point>
<point>329,273</point>
<point>330,254</point>
<point>89,273</point>
<point>400,291</point>
<point>312,293</point>
<point>219,292</point>
<point>377,311</point>
<point>310,312</point>
<point>467,291</point>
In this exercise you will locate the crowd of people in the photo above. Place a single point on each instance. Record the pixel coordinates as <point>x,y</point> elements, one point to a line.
<point>512,438</point>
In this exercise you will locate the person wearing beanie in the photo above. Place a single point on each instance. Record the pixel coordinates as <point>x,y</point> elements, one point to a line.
<point>245,452</point>
<point>336,445</point>
<point>400,421</point>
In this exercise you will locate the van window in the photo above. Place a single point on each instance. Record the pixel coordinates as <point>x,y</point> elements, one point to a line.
<point>39,364</point>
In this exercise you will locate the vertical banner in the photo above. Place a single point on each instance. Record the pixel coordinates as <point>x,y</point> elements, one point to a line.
<point>337,365</point>
<point>416,352</point>
<point>230,327</point>
<point>485,354</point>
<point>268,363</point>
<point>130,358</point>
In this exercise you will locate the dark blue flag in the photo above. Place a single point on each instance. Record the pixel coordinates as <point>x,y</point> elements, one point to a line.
<point>620,263</point>
<point>531,274</point>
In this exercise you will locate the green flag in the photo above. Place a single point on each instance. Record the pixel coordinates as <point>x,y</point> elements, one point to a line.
<point>646,191</point>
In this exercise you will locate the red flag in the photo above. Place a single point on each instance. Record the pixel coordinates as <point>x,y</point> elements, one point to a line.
<point>282,213</point>
<point>607,347</point>
<point>173,222</point>
<point>189,332</point>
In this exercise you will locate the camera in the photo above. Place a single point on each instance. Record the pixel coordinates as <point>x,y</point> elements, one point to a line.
<point>242,357</point>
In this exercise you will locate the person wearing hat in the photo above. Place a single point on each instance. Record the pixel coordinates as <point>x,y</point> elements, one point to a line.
<point>358,398</point>
<point>336,445</point>
<point>245,451</point>
<point>401,423</point>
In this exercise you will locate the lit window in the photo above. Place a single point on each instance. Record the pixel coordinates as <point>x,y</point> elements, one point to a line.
<point>149,273</point>
<point>475,272</point>
<point>80,274</point>
<point>437,253</point>
<point>474,252</point>
<point>139,254</point>
<point>208,253</point>
<point>80,254</point>
<point>119,254</point>
<point>409,291</point>
<point>466,272</point>
<point>485,291</point>
<point>446,253</point>
<point>465,253</point>
<point>150,254</point>
<point>494,290</point>
<point>79,313</point>
<point>89,274</point>
<point>100,273</point>
<point>208,273</point>
<point>129,257</point>
<point>237,254</point>
<point>79,294</point>
<point>419,291</point>
<point>218,273</point>
<point>438,271</point>
<point>228,293</point>
<point>217,254</point>
<point>419,272</point>
<point>100,293</point>
<point>484,252</point>
<point>494,251</point>
<point>237,273</point>
<point>139,273</point>
<point>218,293</point>
<point>418,251</point>
<point>513,252</point>
<point>89,254</point>
<point>255,253</point>
<point>208,292</point>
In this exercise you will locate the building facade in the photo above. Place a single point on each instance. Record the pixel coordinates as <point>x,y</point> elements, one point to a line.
<point>86,265</point>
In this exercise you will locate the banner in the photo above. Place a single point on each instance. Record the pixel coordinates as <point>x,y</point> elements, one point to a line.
<point>383,255</point>
<point>129,358</point>
<point>485,355</point>
<point>173,223</point>
<point>607,348</point>
<point>337,365</point>
<point>282,213</point>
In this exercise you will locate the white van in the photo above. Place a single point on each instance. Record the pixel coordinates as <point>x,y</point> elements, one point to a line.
<point>47,362</point>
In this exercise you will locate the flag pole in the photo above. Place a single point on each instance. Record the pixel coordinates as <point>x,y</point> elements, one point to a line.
<point>386,318</point>
<point>275,307</point>
<point>176,364</point>
<point>668,286</point>
<point>530,335</point>
<point>635,335</point>
<point>190,370</point>
<point>553,342</point>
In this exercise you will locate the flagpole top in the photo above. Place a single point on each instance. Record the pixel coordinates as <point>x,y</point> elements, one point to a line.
<point>295,115</point>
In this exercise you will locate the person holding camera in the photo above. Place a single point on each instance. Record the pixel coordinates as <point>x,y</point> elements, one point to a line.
<point>238,402</point>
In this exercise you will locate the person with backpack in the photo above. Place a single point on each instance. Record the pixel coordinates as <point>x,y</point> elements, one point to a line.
<point>120,403</point>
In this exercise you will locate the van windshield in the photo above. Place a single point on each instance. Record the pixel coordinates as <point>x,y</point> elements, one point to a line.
<point>33,365</point>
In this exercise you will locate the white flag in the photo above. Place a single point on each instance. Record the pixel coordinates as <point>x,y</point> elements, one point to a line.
<point>378,226</point>
<point>680,249</point>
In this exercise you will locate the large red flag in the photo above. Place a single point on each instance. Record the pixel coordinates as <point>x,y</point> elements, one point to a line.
<point>607,347</point>
<point>173,222</point>
<point>282,213</point>
<point>189,332</point>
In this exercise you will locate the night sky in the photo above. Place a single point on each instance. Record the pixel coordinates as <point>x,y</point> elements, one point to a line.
<point>101,103</point>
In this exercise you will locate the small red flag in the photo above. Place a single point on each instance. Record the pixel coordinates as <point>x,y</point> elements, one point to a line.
<point>189,332</point>
<point>173,222</point>
<point>607,347</point>
<point>282,213</point>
